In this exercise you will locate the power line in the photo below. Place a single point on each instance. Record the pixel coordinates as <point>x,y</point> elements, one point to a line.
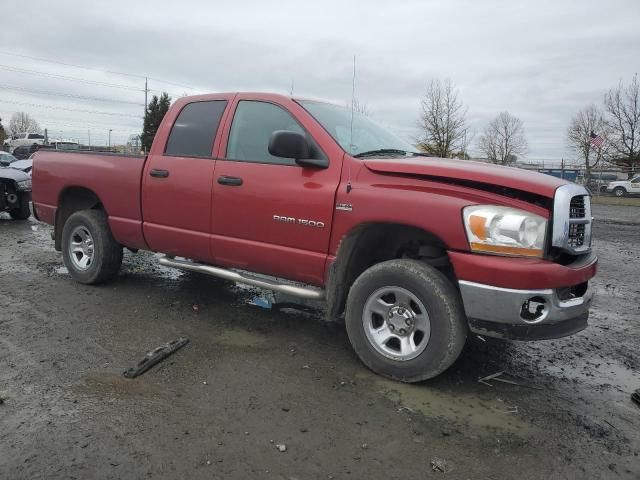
<point>75,79</point>
<point>168,82</point>
<point>39,105</point>
<point>69,95</point>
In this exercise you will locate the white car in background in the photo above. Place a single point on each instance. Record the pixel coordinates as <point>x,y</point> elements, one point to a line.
<point>24,139</point>
<point>625,187</point>
<point>8,160</point>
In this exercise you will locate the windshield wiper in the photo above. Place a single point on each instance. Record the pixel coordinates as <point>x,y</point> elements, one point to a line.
<point>381,151</point>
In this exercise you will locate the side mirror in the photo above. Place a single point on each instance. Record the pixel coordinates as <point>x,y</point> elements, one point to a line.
<point>288,144</point>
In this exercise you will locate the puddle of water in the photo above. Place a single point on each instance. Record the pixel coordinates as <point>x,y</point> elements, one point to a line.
<point>459,408</point>
<point>598,373</point>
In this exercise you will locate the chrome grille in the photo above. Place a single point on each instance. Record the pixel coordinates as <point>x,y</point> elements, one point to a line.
<point>576,235</point>
<point>576,207</point>
<point>572,219</point>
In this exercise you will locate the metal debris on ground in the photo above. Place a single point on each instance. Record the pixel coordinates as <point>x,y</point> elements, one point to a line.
<point>439,465</point>
<point>496,377</point>
<point>155,356</point>
<point>635,396</point>
<point>281,447</point>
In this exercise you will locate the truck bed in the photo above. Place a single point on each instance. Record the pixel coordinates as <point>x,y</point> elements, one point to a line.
<point>114,178</point>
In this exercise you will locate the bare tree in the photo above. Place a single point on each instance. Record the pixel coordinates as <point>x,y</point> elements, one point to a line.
<point>23,123</point>
<point>503,140</point>
<point>442,121</point>
<point>361,107</point>
<point>623,108</point>
<point>585,123</point>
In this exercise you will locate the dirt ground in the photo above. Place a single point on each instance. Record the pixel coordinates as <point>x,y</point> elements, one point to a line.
<point>254,377</point>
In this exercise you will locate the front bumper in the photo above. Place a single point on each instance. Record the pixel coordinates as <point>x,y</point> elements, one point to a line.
<point>530,314</point>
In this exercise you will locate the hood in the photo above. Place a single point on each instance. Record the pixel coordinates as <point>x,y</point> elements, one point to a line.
<point>469,171</point>
<point>22,164</point>
<point>13,174</point>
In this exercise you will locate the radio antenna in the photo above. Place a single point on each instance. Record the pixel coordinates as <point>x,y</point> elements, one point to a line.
<point>353,100</point>
<point>353,107</point>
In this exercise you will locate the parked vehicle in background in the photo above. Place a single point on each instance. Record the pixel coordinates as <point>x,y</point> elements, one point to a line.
<point>25,139</point>
<point>625,187</point>
<point>6,159</point>
<point>64,145</point>
<point>15,193</point>
<point>24,165</point>
<point>414,251</point>
<point>598,182</point>
<point>22,152</point>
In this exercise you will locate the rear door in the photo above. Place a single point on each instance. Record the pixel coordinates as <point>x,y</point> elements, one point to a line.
<point>177,182</point>
<point>271,215</point>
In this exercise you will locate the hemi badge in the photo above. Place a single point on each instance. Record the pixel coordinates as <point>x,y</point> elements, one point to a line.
<point>347,207</point>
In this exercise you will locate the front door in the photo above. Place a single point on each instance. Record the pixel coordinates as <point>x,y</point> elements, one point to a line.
<point>270,215</point>
<point>177,184</point>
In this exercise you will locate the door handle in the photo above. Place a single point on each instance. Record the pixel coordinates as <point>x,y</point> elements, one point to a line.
<point>159,173</point>
<point>231,181</point>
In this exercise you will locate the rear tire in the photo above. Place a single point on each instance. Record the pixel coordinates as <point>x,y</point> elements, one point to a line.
<point>21,213</point>
<point>619,192</point>
<point>90,252</point>
<point>391,300</point>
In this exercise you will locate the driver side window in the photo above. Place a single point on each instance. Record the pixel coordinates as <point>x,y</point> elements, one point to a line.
<point>253,124</point>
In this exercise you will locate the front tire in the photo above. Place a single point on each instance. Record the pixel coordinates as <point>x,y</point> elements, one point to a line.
<point>619,192</point>
<point>90,252</point>
<point>405,320</point>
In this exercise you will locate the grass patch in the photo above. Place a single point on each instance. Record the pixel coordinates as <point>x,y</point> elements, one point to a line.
<point>624,201</point>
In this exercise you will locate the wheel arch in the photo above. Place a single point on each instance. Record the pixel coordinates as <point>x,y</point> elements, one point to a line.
<point>71,200</point>
<point>368,244</point>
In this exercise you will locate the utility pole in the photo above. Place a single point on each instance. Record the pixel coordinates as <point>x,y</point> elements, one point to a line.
<point>110,138</point>
<point>89,136</point>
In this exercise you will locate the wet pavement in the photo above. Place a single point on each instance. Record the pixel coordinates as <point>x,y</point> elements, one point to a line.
<point>261,371</point>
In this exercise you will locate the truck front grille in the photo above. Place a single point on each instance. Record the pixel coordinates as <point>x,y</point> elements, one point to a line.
<point>576,207</point>
<point>572,219</point>
<point>576,235</point>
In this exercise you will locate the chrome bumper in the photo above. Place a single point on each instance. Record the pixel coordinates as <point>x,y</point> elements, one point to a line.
<point>523,314</point>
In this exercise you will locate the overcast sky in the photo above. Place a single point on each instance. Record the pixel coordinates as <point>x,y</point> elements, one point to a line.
<point>540,60</point>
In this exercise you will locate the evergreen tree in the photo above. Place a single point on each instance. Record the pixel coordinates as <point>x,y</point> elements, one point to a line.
<point>156,111</point>
<point>3,134</point>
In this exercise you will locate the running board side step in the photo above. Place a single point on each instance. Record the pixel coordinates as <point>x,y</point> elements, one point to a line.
<point>310,293</point>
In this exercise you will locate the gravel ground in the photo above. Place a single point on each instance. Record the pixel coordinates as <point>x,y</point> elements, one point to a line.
<point>253,378</point>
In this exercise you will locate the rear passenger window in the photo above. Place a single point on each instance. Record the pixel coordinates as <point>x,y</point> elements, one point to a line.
<point>194,130</point>
<point>253,124</point>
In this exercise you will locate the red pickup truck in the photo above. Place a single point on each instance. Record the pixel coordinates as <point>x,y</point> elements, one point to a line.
<point>305,197</point>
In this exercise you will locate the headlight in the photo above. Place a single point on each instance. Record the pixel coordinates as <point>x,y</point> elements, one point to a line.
<point>504,230</point>
<point>24,185</point>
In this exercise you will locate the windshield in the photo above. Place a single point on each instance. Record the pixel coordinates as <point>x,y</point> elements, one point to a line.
<point>368,137</point>
<point>7,157</point>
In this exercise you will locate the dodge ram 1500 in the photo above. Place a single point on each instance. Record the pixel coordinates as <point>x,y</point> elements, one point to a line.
<point>414,251</point>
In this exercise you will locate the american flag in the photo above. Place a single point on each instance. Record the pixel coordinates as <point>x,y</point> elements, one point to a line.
<point>596,140</point>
